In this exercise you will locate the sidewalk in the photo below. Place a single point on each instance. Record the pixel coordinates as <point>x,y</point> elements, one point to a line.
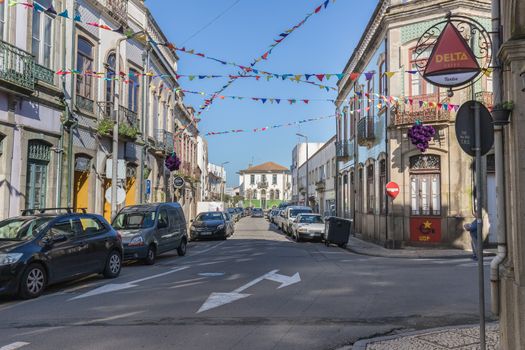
<point>362,247</point>
<point>457,338</point>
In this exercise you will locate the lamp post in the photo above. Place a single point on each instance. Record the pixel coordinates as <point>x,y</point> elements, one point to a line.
<point>116,103</point>
<point>222,180</point>
<point>307,183</point>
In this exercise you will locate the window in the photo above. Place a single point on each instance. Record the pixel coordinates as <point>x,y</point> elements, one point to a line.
<point>42,33</point>
<point>68,227</point>
<point>39,155</point>
<point>274,179</point>
<point>382,186</point>
<point>360,189</point>
<point>425,185</point>
<point>277,194</point>
<point>418,86</point>
<point>110,73</point>
<point>272,194</point>
<point>133,91</point>
<point>84,63</point>
<point>2,19</point>
<point>254,194</point>
<point>91,225</point>
<point>263,179</point>
<point>370,188</point>
<point>163,219</point>
<point>382,77</point>
<point>252,179</point>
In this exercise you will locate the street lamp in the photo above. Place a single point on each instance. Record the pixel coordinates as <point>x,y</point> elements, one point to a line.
<point>116,102</point>
<point>307,184</point>
<point>222,180</point>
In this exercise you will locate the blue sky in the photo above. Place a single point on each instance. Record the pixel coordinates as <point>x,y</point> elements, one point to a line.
<point>322,45</point>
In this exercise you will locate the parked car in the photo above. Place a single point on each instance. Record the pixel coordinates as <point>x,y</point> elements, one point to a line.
<point>240,212</point>
<point>40,248</point>
<point>247,211</point>
<point>151,229</point>
<point>210,224</point>
<point>230,222</point>
<point>234,214</point>
<point>289,215</point>
<point>279,219</point>
<point>272,214</point>
<point>257,213</point>
<point>308,226</point>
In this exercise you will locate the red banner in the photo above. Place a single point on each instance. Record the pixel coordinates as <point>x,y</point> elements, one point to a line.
<point>424,229</point>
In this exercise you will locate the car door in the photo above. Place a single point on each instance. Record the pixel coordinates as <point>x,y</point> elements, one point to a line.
<point>174,234</point>
<point>65,249</point>
<point>182,225</point>
<point>95,234</point>
<point>162,232</point>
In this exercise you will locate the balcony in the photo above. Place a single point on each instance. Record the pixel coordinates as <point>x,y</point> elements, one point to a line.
<point>485,97</point>
<point>262,185</point>
<point>421,109</point>
<point>365,131</point>
<point>320,185</point>
<point>128,120</point>
<point>117,9</point>
<point>344,150</point>
<point>164,142</point>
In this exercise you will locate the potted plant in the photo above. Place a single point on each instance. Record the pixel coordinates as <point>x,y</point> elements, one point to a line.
<point>105,127</point>
<point>128,131</point>
<point>501,112</point>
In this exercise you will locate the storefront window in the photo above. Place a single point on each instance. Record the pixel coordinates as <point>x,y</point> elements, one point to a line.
<point>39,154</point>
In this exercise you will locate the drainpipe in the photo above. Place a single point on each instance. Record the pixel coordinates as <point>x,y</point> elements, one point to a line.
<point>60,150</point>
<point>145,90</point>
<point>495,283</point>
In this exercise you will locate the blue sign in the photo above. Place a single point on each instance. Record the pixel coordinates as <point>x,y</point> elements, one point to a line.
<point>148,186</point>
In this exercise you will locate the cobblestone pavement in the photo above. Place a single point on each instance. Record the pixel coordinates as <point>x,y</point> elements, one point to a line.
<point>457,338</point>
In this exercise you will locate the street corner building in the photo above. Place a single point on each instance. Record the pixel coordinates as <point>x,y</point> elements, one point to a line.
<point>63,88</point>
<point>265,185</point>
<point>378,106</point>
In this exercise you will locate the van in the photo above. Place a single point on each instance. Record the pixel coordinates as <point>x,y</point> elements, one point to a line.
<point>289,216</point>
<point>148,230</point>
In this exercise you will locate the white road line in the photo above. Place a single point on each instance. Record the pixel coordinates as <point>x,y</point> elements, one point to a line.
<point>187,284</point>
<point>111,318</point>
<point>190,280</point>
<point>38,331</point>
<point>14,346</point>
<point>206,250</point>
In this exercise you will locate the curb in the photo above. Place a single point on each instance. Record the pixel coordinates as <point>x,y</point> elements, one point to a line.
<point>420,256</point>
<point>362,344</point>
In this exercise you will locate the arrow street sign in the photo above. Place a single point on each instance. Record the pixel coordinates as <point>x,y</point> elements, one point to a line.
<point>219,299</point>
<point>113,287</point>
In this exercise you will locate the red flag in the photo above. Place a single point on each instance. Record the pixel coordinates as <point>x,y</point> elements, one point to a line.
<point>318,9</point>
<point>320,77</point>
<point>265,56</point>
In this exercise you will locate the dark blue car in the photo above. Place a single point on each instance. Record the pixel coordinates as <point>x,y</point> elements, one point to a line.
<point>39,249</point>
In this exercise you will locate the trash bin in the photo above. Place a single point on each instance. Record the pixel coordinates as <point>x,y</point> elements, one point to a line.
<point>337,230</point>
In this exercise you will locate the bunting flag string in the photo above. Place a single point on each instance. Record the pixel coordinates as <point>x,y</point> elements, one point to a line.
<point>64,14</point>
<point>266,128</point>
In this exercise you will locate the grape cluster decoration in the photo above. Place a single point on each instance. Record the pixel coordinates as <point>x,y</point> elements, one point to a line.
<point>172,162</point>
<point>420,135</point>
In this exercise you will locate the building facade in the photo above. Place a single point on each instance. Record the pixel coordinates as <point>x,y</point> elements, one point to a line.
<point>216,182</point>
<point>321,179</point>
<point>508,278</point>
<point>377,106</point>
<point>265,185</point>
<point>56,129</point>
<point>299,156</point>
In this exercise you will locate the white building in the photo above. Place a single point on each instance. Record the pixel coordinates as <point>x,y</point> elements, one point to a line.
<point>321,175</point>
<point>202,163</point>
<point>216,181</point>
<point>298,158</point>
<point>265,185</point>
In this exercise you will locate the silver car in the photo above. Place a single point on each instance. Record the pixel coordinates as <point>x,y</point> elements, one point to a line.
<point>151,229</point>
<point>308,226</point>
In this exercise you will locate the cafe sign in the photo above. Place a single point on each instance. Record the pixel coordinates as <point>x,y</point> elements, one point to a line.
<point>454,52</point>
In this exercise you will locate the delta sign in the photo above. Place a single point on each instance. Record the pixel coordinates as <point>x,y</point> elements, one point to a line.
<point>452,62</point>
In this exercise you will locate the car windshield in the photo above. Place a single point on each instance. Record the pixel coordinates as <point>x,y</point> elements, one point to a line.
<point>22,228</point>
<point>295,212</point>
<point>257,210</point>
<point>232,211</point>
<point>311,219</point>
<point>209,216</point>
<point>134,220</point>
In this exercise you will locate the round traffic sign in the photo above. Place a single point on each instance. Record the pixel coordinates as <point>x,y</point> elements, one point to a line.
<point>121,195</point>
<point>465,131</point>
<point>178,182</point>
<point>392,189</point>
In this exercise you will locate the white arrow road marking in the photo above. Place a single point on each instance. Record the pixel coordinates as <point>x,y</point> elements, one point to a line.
<point>113,287</point>
<point>14,346</point>
<point>219,299</point>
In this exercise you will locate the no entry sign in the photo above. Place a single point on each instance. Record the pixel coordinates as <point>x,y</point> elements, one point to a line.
<point>392,190</point>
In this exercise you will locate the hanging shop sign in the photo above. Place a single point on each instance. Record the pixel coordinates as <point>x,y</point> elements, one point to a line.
<point>178,182</point>
<point>454,52</point>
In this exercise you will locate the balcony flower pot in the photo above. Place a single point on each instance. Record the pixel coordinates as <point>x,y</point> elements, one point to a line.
<point>501,112</point>
<point>105,127</point>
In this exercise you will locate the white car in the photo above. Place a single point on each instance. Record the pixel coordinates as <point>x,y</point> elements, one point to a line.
<point>308,226</point>
<point>290,213</point>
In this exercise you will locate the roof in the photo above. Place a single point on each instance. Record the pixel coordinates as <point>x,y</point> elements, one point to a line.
<point>265,167</point>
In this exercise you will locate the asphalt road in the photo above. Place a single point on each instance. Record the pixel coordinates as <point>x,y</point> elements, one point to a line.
<point>328,298</point>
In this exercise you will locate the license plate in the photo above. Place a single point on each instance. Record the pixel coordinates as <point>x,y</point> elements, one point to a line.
<point>205,233</point>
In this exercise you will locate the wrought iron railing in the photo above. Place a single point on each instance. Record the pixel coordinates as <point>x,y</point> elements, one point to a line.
<point>86,104</point>
<point>16,67</point>
<point>344,149</point>
<point>118,9</point>
<point>427,108</point>
<point>44,74</point>
<point>365,130</point>
<point>164,141</point>
<point>105,110</point>
<point>262,184</point>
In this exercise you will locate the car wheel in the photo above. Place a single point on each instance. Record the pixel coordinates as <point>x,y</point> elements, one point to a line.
<point>113,265</point>
<point>181,250</point>
<point>33,281</point>
<point>150,255</point>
